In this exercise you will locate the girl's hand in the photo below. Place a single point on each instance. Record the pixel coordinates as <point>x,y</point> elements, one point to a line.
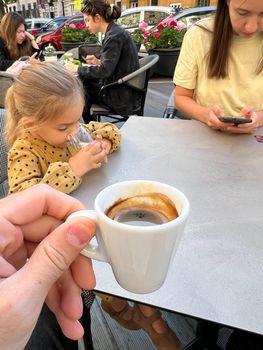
<point>88,158</point>
<point>105,143</point>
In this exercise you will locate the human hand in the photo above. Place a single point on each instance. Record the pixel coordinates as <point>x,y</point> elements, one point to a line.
<point>105,143</point>
<point>33,59</point>
<point>91,59</point>
<point>30,36</point>
<point>213,120</point>
<point>88,158</point>
<point>246,128</point>
<point>33,228</point>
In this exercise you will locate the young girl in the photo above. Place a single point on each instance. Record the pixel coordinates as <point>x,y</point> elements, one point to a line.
<point>44,106</point>
<point>220,68</point>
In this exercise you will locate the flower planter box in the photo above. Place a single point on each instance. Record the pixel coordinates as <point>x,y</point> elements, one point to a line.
<point>167,61</point>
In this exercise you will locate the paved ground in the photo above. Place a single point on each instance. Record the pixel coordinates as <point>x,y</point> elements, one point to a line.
<point>159,91</point>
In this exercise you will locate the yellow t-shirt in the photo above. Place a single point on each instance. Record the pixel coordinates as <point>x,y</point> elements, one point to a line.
<point>242,88</point>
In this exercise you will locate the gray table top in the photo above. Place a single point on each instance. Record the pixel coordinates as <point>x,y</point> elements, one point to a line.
<point>217,273</point>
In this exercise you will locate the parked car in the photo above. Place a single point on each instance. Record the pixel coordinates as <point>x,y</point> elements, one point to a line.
<point>153,15</point>
<point>189,16</point>
<point>53,24</point>
<point>55,37</point>
<point>131,18</point>
<point>35,24</point>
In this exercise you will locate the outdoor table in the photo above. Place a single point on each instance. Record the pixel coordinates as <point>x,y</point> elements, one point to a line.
<point>217,272</point>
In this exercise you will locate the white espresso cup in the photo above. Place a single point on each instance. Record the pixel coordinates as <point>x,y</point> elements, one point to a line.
<point>139,255</point>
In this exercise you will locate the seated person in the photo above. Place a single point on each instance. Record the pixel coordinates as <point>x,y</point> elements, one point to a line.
<point>219,71</point>
<point>119,57</point>
<point>15,41</point>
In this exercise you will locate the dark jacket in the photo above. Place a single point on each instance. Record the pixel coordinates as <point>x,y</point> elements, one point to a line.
<point>5,60</point>
<point>119,57</point>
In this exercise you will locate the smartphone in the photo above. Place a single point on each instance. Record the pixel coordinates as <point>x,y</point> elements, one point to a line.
<point>235,120</point>
<point>39,53</point>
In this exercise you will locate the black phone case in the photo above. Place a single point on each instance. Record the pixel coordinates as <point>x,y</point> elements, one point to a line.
<point>235,120</point>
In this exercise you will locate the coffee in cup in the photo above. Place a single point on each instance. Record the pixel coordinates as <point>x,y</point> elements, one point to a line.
<point>146,209</point>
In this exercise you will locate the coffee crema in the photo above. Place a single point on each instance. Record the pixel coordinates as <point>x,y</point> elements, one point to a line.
<point>146,209</point>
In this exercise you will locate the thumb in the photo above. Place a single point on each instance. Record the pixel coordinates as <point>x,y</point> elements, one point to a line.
<point>58,250</point>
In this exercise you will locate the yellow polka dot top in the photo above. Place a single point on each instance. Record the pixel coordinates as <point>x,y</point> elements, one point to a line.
<point>32,161</point>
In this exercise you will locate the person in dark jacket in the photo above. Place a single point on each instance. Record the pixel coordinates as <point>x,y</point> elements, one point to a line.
<point>15,41</point>
<point>119,57</point>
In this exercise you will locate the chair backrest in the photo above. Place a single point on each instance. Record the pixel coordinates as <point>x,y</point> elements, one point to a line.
<point>74,51</point>
<point>171,112</point>
<point>89,49</point>
<point>6,80</point>
<point>3,155</point>
<point>139,78</point>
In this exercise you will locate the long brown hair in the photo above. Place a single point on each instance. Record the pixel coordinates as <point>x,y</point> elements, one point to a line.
<point>222,37</point>
<point>8,27</point>
<point>100,7</point>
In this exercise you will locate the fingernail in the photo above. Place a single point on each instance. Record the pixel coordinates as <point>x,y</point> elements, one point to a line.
<point>77,235</point>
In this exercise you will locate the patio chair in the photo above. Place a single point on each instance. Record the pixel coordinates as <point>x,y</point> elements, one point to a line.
<point>89,49</point>
<point>137,80</point>
<point>3,155</point>
<point>6,80</point>
<point>171,112</point>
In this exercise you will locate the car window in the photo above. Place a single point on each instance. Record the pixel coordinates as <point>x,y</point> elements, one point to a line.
<point>76,20</point>
<point>129,21</point>
<point>154,17</point>
<point>51,25</point>
<point>38,25</point>
<point>193,17</point>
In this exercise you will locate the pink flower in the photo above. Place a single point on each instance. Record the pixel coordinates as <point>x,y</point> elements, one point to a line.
<point>143,25</point>
<point>180,27</point>
<point>156,35</point>
<point>72,25</point>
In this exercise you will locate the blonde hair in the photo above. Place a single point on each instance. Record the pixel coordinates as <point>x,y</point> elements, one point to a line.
<point>39,93</point>
<point>8,27</point>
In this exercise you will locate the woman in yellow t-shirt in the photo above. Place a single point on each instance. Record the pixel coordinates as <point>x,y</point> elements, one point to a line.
<point>220,68</point>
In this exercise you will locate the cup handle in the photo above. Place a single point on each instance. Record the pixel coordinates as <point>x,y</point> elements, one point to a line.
<point>93,251</point>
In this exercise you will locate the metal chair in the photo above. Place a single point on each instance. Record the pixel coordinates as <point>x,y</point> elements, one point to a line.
<point>137,80</point>
<point>89,49</point>
<point>3,155</point>
<point>6,80</point>
<point>171,112</point>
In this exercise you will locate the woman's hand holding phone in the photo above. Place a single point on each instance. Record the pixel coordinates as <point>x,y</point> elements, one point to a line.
<point>235,120</point>
<point>247,123</point>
